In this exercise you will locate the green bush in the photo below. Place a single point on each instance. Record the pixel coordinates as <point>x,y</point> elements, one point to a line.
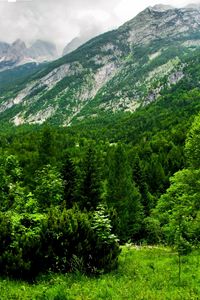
<point>75,240</point>
<point>20,237</point>
<point>58,241</point>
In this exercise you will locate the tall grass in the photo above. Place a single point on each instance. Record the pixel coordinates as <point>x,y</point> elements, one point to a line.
<point>143,273</point>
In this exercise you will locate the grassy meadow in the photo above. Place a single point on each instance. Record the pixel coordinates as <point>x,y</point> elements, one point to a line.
<point>143,273</point>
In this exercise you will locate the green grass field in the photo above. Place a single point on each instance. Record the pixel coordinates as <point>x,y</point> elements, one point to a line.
<point>143,273</point>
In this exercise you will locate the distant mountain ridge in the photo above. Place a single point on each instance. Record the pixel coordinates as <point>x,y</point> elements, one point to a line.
<point>17,53</point>
<point>74,44</point>
<point>119,71</point>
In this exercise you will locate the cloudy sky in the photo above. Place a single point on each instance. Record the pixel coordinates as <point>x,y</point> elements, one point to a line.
<point>61,20</point>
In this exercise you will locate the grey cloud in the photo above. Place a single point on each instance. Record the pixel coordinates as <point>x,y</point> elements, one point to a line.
<point>55,20</point>
<point>60,21</point>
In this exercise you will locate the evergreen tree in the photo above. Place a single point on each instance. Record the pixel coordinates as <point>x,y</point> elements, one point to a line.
<point>140,180</point>
<point>155,175</point>
<point>123,196</point>
<point>192,147</point>
<point>89,184</point>
<point>46,147</point>
<point>68,173</point>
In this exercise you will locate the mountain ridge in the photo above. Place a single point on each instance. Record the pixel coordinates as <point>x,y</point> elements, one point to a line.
<point>120,70</point>
<point>17,53</point>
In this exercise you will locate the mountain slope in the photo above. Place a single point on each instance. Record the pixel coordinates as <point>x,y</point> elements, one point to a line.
<point>12,79</point>
<point>118,71</point>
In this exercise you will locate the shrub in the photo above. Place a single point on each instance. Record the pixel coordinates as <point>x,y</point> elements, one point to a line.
<point>58,241</point>
<point>20,238</point>
<point>77,240</point>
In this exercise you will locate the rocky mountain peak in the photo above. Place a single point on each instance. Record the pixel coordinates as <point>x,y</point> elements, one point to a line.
<point>18,45</point>
<point>161,22</point>
<point>43,49</point>
<point>161,7</point>
<point>17,53</point>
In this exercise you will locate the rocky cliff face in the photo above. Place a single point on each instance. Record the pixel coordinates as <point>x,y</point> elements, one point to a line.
<point>163,22</point>
<point>118,71</point>
<point>12,55</point>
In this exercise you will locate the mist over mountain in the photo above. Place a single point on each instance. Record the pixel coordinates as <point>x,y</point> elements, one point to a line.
<point>74,44</point>
<point>17,53</point>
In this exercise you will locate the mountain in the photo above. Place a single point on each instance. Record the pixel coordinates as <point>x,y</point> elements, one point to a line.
<point>3,48</point>
<point>15,76</point>
<point>42,51</point>
<point>119,71</point>
<point>17,53</point>
<point>11,54</point>
<point>73,45</point>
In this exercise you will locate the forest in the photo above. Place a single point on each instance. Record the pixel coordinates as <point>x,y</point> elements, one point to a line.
<point>70,197</point>
<point>100,152</point>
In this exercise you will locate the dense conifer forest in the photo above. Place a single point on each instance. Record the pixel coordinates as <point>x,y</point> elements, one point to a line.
<point>72,196</point>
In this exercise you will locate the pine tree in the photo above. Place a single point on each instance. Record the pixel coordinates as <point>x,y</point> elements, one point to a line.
<point>140,180</point>
<point>68,173</point>
<point>192,146</point>
<point>46,147</point>
<point>123,196</point>
<point>156,176</point>
<point>89,185</point>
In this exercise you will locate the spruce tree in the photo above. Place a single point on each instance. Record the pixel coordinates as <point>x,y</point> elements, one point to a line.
<point>88,186</point>
<point>140,180</point>
<point>68,173</point>
<point>123,196</point>
<point>46,147</point>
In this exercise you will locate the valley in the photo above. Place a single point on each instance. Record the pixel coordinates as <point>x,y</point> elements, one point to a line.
<point>100,164</point>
